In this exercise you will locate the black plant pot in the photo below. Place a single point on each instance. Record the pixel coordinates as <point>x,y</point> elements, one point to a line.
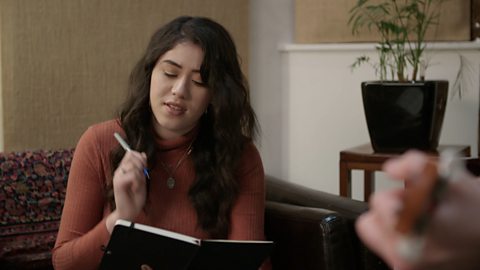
<point>404,115</point>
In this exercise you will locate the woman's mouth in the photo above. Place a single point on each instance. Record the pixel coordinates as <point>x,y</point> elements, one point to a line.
<point>174,108</point>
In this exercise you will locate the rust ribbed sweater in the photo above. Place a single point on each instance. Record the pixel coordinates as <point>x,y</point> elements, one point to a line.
<point>83,231</point>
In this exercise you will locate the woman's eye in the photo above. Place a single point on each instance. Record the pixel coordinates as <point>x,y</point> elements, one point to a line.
<point>170,74</point>
<point>198,83</point>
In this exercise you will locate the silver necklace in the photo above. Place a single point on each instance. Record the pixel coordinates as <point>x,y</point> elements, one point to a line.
<point>171,179</point>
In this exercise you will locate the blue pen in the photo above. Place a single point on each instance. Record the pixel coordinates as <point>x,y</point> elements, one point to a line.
<point>127,148</point>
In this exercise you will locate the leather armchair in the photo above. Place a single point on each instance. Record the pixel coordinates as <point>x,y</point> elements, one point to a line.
<point>314,229</point>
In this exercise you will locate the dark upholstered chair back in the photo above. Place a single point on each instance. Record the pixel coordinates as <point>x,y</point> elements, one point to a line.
<point>313,229</point>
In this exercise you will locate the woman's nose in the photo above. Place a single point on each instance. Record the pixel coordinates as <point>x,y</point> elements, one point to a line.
<point>180,87</point>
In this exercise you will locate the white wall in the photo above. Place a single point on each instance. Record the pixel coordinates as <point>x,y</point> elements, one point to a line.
<point>309,105</point>
<point>325,110</point>
<point>271,24</point>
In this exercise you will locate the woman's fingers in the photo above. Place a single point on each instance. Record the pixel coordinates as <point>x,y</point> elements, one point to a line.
<point>376,228</point>
<point>375,235</point>
<point>133,161</point>
<point>441,250</point>
<point>387,205</point>
<point>417,170</point>
<point>407,166</point>
<point>129,189</point>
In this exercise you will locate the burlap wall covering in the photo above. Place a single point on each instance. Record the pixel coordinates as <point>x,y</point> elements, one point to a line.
<point>65,64</point>
<point>324,21</point>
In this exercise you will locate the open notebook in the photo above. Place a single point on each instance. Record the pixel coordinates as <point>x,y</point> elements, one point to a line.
<point>132,244</point>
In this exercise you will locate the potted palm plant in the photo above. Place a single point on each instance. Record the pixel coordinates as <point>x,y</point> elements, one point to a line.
<point>402,109</point>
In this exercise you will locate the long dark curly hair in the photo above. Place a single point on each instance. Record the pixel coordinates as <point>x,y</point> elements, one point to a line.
<point>229,123</point>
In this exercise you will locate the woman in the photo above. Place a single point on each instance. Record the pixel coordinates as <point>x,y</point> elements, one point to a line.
<point>188,120</point>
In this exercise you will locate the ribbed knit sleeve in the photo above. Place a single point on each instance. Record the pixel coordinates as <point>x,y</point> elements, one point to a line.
<point>82,230</point>
<point>247,218</point>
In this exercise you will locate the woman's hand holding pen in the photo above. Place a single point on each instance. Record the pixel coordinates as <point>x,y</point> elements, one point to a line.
<point>129,185</point>
<point>452,238</point>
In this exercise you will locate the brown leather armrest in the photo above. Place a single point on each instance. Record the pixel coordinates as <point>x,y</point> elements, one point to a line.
<point>307,238</point>
<point>286,192</point>
<point>293,210</point>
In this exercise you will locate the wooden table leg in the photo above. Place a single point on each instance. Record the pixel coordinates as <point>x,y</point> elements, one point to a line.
<point>369,184</point>
<point>345,180</point>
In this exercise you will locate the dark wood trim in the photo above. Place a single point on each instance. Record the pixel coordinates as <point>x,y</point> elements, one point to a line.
<point>475,25</point>
<point>475,30</point>
<point>364,158</point>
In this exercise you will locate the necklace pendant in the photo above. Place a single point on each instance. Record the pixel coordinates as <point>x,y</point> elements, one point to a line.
<point>170,182</point>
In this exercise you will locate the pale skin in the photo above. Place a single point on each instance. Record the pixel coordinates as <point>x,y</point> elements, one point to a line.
<point>452,240</point>
<point>178,98</point>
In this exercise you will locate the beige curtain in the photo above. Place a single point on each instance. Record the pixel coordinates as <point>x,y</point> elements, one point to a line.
<point>325,21</point>
<point>65,64</point>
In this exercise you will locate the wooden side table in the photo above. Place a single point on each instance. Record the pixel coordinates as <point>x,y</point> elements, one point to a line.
<point>364,158</point>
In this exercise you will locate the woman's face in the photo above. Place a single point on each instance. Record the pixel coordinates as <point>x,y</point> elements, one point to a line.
<point>178,94</point>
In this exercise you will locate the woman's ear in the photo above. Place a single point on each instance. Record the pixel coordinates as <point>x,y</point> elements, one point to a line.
<point>208,107</point>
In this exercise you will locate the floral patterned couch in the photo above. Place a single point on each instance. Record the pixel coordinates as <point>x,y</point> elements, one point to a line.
<point>32,192</point>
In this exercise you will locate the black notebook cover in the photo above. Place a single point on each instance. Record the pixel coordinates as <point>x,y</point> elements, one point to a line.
<point>231,255</point>
<point>132,245</point>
